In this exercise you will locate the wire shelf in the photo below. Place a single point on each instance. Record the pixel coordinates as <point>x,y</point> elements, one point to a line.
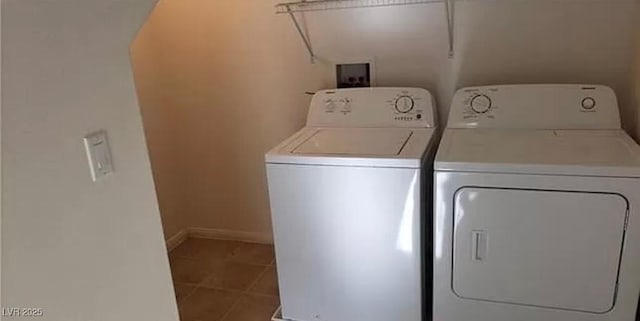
<point>293,7</point>
<point>320,5</point>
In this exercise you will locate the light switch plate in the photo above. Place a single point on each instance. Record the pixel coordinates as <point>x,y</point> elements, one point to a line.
<point>99,154</point>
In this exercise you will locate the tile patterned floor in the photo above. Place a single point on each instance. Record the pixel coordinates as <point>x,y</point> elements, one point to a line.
<point>219,280</point>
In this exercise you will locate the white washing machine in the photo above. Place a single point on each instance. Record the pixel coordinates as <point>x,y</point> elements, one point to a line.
<point>347,206</point>
<point>537,207</point>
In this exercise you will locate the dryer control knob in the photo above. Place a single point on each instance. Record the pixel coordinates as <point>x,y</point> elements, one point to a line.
<point>404,104</point>
<point>481,104</point>
<point>588,103</point>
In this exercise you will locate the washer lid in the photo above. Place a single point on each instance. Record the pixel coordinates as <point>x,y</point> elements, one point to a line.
<point>351,141</point>
<point>368,147</point>
<point>610,153</point>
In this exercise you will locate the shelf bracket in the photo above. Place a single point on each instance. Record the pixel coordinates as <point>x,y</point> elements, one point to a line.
<point>305,38</point>
<point>450,7</point>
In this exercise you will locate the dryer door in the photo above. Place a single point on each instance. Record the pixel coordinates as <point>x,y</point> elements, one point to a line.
<point>553,249</point>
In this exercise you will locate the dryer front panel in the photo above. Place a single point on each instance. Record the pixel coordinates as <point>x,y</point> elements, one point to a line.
<point>551,249</point>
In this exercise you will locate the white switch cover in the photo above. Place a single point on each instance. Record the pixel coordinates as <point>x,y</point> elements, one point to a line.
<point>99,154</point>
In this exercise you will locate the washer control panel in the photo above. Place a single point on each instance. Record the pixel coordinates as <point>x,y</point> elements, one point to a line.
<point>479,104</point>
<point>535,107</point>
<point>372,107</point>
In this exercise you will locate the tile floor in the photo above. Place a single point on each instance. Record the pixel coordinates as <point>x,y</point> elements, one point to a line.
<point>219,280</point>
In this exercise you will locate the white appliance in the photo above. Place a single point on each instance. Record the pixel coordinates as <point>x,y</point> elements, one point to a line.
<point>537,207</point>
<point>346,204</point>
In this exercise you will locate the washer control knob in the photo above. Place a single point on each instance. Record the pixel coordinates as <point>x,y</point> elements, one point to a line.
<point>344,104</point>
<point>404,104</point>
<point>330,105</point>
<point>588,103</point>
<point>481,104</point>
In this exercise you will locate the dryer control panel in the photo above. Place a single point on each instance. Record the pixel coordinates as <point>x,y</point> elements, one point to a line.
<point>535,107</point>
<point>372,107</point>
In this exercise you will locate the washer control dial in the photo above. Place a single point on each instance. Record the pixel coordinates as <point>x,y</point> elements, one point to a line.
<point>481,104</point>
<point>404,104</point>
<point>330,105</point>
<point>588,103</point>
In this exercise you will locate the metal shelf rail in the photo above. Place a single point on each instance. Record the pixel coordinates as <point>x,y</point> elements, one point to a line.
<point>293,7</point>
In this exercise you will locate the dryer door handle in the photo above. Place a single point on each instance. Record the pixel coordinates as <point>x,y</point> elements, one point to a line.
<point>479,245</point>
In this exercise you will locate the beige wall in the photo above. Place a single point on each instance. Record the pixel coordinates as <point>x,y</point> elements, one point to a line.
<point>224,80</point>
<point>1,178</point>
<point>548,41</point>
<point>496,41</point>
<point>636,75</point>
<point>77,249</point>
<point>227,82</point>
<point>162,124</point>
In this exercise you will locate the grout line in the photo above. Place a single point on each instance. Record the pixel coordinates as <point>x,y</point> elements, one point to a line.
<point>200,285</point>
<point>193,290</point>
<point>263,273</point>
<point>227,259</point>
<point>249,291</point>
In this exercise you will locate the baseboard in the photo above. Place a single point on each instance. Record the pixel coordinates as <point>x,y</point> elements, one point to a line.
<point>218,234</point>
<point>231,235</point>
<point>176,239</point>
<point>277,316</point>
